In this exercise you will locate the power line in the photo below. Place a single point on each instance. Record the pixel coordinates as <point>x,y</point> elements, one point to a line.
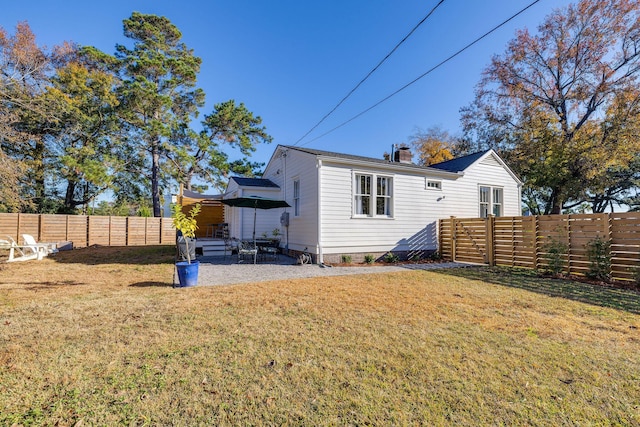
<point>425,73</point>
<point>370,72</point>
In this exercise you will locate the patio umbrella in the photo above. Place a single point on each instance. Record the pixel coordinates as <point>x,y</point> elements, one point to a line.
<point>255,202</point>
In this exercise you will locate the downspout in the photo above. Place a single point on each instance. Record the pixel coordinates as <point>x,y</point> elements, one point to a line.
<point>284,187</point>
<point>320,254</point>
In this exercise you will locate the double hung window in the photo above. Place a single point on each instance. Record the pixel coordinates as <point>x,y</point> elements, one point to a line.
<point>490,201</point>
<point>373,195</point>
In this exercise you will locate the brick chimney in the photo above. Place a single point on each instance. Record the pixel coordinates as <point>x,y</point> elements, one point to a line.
<point>402,155</point>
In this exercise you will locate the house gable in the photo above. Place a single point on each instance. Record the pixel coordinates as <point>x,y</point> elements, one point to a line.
<point>485,158</point>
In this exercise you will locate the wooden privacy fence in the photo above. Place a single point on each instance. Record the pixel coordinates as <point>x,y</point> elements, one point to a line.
<point>525,241</point>
<point>85,230</point>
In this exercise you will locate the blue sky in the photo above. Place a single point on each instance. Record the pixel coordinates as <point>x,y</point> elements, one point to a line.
<point>291,61</point>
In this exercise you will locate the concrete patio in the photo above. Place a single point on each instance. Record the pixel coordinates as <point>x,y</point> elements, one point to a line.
<point>219,270</point>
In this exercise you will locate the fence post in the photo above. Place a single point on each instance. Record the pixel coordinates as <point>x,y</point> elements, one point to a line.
<point>489,227</point>
<point>439,236</point>
<point>18,228</point>
<point>536,238</point>
<point>569,251</point>
<point>453,238</point>
<point>40,221</point>
<point>606,222</point>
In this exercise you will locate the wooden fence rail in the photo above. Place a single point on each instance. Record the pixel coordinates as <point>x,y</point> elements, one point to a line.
<point>526,241</point>
<point>83,230</point>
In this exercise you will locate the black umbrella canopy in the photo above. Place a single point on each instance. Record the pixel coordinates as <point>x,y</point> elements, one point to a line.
<point>256,202</point>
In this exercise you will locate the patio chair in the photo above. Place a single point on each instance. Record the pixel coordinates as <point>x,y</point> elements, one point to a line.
<point>230,246</point>
<point>31,241</point>
<point>268,253</point>
<point>24,252</point>
<point>246,249</point>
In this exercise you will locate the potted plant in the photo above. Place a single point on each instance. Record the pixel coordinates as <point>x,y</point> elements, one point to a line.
<point>187,226</point>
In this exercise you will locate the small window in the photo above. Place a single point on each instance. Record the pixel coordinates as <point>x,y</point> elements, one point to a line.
<point>434,185</point>
<point>296,197</point>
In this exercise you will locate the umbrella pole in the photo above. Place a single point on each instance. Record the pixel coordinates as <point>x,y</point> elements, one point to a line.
<point>255,210</point>
<point>255,248</point>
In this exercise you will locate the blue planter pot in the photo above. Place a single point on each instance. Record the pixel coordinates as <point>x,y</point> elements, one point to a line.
<point>187,273</point>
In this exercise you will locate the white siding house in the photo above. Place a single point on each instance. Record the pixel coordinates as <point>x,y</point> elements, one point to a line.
<point>353,205</point>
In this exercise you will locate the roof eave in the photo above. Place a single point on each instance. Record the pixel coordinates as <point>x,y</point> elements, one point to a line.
<point>404,167</point>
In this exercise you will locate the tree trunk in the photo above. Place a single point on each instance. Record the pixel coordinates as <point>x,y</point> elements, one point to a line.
<point>69,204</point>
<point>554,205</point>
<point>39,174</point>
<point>187,180</point>
<point>155,178</point>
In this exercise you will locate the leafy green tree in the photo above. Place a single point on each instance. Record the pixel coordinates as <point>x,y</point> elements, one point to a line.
<point>158,93</point>
<point>560,106</point>
<point>25,69</point>
<point>86,136</point>
<point>203,155</point>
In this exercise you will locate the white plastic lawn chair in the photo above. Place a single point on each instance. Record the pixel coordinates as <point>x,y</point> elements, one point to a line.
<point>21,252</point>
<point>28,251</point>
<point>48,248</point>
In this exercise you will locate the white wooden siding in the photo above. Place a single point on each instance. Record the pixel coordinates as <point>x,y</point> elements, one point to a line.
<point>415,210</point>
<point>303,229</point>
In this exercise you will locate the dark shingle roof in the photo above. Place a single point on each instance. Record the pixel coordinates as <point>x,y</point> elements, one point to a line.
<point>460,163</point>
<point>354,157</point>
<point>254,182</point>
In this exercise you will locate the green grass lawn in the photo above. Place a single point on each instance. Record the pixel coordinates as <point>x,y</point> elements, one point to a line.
<point>93,343</point>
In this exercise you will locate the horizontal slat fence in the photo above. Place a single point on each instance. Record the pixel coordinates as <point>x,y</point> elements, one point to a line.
<point>526,241</point>
<point>83,230</point>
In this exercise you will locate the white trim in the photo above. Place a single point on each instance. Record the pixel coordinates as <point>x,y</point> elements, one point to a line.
<point>293,198</point>
<point>319,178</point>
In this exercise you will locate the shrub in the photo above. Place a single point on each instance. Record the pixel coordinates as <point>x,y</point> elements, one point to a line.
<point>599,254</point>
<point>369,259</point>
<point>346,259</point>
<point>391,258</point>
<point>555,255</point>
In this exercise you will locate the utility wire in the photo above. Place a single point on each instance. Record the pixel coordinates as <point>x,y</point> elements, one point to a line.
<point>425,73</point>
<point>370,72</point>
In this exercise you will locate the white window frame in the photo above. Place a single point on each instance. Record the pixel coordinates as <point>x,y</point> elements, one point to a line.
<point>359,193</point>
<point>497,201</point>
<point>432,184</point>
<point>385,195</point>
<point>487,205</point>
<point>296,196</point>
<point>372,196</point>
